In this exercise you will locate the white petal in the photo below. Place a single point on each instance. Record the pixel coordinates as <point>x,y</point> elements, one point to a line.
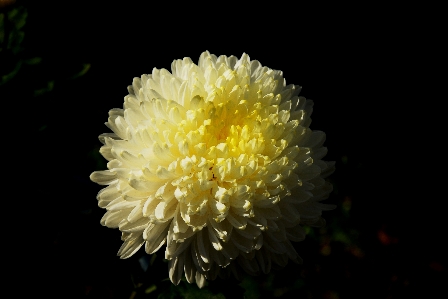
<point>270,213</point>
<point>250,232</point>
<point>243,244</point>
<point>137,226</point>
<point>223,229</point>
<point>250,266</point>
<point>309,172</point>
<point>296,233</point>
<point>136,213</point>
<point>200,280</point>
<point>175,243</point>
<point>151,247</point>
<point>144,185</point>
<point>196,256</point>
<point>189,268</point>
<point>120,204</point>
<point>230,250</point>
<point>111,219</point>
<point>107,135</point>
<point>237,221</point>
<point>105,177</point>
<point>105,151</point>
<point>153,231</point>
<point>213,272</point>
<point>214,239</point>
<point>203,247</point>
<point>179,224</point>
<point>175,267</point>
<point>107,195</point>
<point>280,259</point>
<point>131,246</point>
<point>290,213</point>
<point>264,261</point>
<point>272,245</point>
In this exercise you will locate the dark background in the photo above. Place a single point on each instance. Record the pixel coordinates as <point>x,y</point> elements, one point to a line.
<point>385,239</point>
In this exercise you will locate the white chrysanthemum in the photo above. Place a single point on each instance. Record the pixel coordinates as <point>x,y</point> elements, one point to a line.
<point>216,161</point>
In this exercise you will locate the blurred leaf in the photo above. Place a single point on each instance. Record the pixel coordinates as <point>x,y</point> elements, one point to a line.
<point>191,291</point>
<point>85,69</point>
<point>14,59</point>
<point>2,29</point>
<point>309,231</point>
<point>251,287</point>
<point>13,14</point>
<point>188,291</point>
<point>32,61</point>
<point>151,289</point>
<point>12,74</point>
<point>15,40</point>
<point>50,86</point>
<point>18,17</point>
<point>341,236</point>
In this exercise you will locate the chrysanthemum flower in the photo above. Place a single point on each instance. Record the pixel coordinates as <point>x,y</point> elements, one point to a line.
<point>216,161</point>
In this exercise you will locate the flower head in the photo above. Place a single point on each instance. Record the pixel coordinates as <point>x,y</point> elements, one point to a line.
<point>216,161</point>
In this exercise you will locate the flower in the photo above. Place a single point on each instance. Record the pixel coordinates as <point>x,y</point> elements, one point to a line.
<point>216,161</point>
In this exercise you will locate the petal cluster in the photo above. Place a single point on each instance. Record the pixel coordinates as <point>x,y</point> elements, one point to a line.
<point>216,162</point>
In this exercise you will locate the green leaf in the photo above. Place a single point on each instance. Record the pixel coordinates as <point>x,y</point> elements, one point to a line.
<point>50,86</point>
<point>19,39</point>
<point>18,17</point>
<point>151,289</point>
<point>34,60</point>
<point>15,39</point>
<point>189,291</point>
<point>342,237</point>
<point>21,20</point>
<point>85,69</point>
<point>2,28</point>
<point>8,77</point>
<point>250,285</point>
<point>13,13</point>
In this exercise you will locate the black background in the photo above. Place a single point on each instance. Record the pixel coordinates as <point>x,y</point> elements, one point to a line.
<point>350,64</point>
